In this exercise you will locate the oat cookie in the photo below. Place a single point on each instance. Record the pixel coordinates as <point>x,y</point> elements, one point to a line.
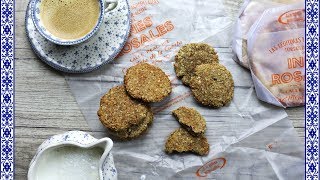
<point>137,130</point>
<point>182,141</point>
<point>118,111</point>
<point>147,82</point>
<point>212,85</point>
<point>190,56</point>
<point>190,119</point>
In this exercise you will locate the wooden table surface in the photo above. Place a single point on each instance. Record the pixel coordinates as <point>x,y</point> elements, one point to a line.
<point>45,105</point>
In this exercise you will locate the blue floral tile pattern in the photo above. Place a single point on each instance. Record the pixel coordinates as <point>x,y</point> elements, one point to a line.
<point>312,90</point>
<point>100,49</point>
<point>7,89</point>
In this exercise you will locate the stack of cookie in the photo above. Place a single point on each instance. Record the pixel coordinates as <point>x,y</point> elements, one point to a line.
<point>123,110</point>
<point>189,138</point>
<point>197,64</point>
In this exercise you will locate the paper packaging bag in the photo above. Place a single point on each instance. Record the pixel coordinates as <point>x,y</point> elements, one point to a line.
<point>250,11</point>
<point>248,139</point>
<point>276,51</point>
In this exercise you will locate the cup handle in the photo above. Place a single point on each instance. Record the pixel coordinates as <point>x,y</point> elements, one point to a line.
<point>107,3</point>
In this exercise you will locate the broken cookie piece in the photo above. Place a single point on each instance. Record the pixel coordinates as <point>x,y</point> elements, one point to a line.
<point>191,119</point>
<point>182,141</point>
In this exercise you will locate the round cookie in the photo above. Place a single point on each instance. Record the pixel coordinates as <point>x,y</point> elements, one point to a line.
<point>118,111</point>
<point>135,131</point>
<point>190,56</point>
<point>212,85</point>
<point>147,82</point>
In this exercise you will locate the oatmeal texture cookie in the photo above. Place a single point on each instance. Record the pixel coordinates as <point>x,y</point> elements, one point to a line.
<point>118,111</point>
<point>136,130</point>
<point>147,83</point>
<point>191,55</point>
<point>191,120</point>
<point>182,141</point>
<point>212,85</point>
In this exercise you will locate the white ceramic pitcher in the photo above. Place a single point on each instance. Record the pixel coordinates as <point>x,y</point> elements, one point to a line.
<point>107,170</point>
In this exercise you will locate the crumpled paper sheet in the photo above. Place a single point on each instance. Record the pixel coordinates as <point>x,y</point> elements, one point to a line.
<point>248,139</point>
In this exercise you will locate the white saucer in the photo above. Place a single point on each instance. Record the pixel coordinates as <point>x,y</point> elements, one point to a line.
<point>100,49</point>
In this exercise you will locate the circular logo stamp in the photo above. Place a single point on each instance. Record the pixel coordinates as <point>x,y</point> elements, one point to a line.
<point>292,16</point>
<point>210,166</point>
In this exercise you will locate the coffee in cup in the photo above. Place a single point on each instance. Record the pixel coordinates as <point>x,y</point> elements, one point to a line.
<point>69,22</point>
<point>69,19</point>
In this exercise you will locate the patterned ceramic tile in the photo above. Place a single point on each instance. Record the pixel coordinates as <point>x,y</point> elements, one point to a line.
<point>7,90</point>
<point>312,90</point>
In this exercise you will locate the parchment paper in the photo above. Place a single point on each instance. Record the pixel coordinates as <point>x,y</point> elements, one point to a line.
<point>248,139</point>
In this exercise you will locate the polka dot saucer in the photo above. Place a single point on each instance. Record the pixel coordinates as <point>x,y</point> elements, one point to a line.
<point>100,49</point>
